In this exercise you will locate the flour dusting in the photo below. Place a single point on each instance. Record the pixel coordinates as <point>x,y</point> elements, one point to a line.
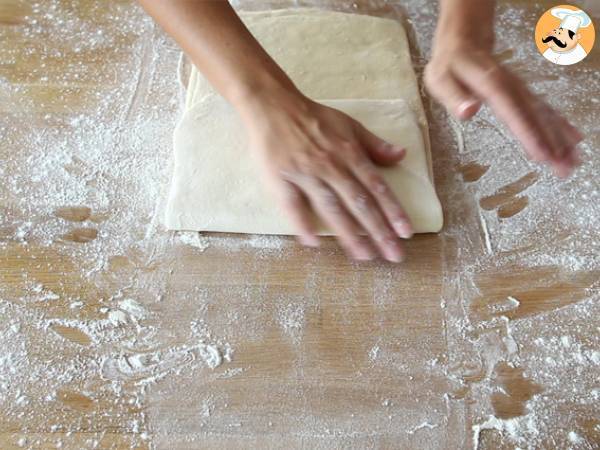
<point>110,319</point>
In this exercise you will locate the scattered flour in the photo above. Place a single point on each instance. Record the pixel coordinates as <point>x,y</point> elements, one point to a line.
<point>211,355</point>
<point>193,239</point>
<point>424,425</point>
<point>574,438</point>
<point>374,352</point>
<point>291,318</point>
<point>112,154</point>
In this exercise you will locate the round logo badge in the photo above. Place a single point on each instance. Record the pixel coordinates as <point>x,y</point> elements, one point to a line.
<point>565,35</point>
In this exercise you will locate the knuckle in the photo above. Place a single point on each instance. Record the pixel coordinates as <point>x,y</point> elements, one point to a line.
<point>347,147</point>
<point>435,74</point>
<point>290,194</point>
<point>495,75</point>
<point>323,161</point>
<point>362,201</point>
<point>528,129</point>
<point>357,197</point>
<point>292,177</point>
<point>537,139</point>
<point>398,215</point>
<point>376,183</point>
<point>384,236</point>
<point>330,201</point>
<point>314,124</point>
<point>357,160</point>
<point>303,163</point>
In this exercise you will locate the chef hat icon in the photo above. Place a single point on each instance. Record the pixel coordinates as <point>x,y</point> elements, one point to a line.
<point>570,19</point>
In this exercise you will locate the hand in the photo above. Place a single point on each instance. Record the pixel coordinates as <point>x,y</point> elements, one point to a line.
<point>463,74</point>
<point>317,158</point>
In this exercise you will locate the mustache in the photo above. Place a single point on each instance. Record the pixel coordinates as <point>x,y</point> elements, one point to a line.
<point>555,40</point>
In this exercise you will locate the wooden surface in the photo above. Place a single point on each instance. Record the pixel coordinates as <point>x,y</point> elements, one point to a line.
<point>327,353</point>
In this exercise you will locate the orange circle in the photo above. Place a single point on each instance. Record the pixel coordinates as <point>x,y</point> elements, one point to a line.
<point>548,22</point>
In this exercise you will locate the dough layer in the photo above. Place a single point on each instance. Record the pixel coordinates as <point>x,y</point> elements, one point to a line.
<point>360,64</point>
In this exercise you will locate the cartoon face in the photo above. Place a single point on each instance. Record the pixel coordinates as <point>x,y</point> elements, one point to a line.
<point>561,40</point>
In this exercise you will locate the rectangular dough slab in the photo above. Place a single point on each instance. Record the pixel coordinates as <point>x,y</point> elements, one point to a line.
<point>361,63</point>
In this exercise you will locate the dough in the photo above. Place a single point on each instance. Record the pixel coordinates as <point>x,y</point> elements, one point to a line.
<point>358,64</point>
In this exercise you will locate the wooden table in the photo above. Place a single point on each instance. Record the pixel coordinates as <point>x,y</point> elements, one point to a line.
<point>107,318</point>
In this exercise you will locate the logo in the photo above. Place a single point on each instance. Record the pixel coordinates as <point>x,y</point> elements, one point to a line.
<point>565,35</point>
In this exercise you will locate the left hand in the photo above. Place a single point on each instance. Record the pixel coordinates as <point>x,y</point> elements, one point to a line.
<point>463,75</point>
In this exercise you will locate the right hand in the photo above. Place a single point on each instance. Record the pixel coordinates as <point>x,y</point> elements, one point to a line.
<point>317,159</point>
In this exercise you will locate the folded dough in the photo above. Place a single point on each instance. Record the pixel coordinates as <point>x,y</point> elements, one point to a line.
<point>361,63</point>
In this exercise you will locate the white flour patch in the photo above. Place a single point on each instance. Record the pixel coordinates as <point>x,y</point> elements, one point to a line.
<point>133,308</point>
<point>422,426</point>
<point>229,373</point>
<point>374,352</point>
<point>291,319</point>
<point>262,243</point>
<point>194,239</point>
<point>211,355</point>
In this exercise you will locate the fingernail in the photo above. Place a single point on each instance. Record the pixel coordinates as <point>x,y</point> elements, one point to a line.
<point>363,254</point>
<point>562,170</point>
<point>392,251</point>
<point>396,258</point>
<point>309,241</point>
<point>403,229</point>
<point>390,148</point>
<point>537,157</point>
<point>465,106</point>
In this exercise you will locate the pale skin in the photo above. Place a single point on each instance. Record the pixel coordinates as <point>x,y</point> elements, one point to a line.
<point>317,160</point>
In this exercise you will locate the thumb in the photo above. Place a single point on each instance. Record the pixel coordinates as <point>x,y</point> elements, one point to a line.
<point>380,151</point>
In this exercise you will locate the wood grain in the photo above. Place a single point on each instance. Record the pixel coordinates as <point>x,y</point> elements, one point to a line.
<point>375,353</point>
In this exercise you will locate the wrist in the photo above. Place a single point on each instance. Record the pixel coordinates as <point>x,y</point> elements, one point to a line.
<point>248,93</point>
<point>468,22</point>
<point>259,99</point>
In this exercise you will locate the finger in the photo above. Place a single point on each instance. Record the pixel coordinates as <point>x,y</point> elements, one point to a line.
<point>368,175</point>
<point>389,204</point>
<point>569,162</point>
<point>456,97</point>
<point>564,161</point>
<point>575,158</point>
<point>504,93</point>
<point>563,150</point>
<point>568,137</point>
<point>572,134</point>
<point>330,209</point>
<point>563,135</point>
<point>366,212</point>
<point>380,151</point>
<point>298,211</point>
<point>572,157</point>
<point>562,169</point>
